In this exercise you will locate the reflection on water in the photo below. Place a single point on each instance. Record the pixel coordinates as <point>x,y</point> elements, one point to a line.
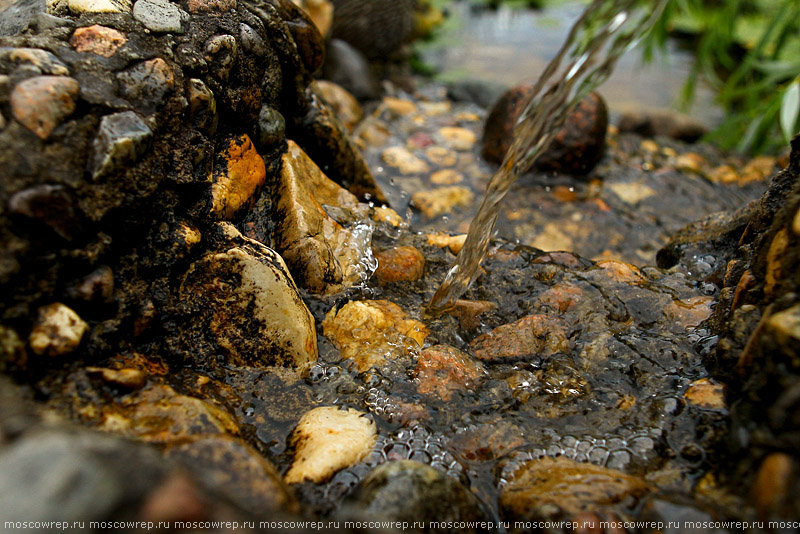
<point>507,46</point>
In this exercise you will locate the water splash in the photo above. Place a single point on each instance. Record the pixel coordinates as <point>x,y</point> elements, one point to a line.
<point>596,41</point>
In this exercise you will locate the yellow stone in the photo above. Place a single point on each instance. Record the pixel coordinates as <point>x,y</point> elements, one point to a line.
<point>632,193</point>
<point>404,161</point>
<point>447,177</point>
<point>399,106</point>
<point>371,331</point>
<point>706,394</point>
<point>436,202</point>
<point>441,156</point>
<point>236,180</point>
<point>322,254</point>
<point>777,250</point>
<point>458,138</point>
<point>58,330</point>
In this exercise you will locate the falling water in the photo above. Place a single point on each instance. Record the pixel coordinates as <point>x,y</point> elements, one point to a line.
<point>600,36</point>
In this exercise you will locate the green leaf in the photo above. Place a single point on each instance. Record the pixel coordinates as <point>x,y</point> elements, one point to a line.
<point>790,105</point>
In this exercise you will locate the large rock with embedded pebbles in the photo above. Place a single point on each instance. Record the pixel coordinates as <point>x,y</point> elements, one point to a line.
<point>244,308</point>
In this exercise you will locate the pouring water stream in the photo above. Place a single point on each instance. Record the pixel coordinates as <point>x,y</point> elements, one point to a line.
<point>596,41</point>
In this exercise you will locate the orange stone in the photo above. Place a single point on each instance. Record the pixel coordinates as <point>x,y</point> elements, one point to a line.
<point>43,102</point>
<point>442,370</point>
<point>97,39</point>
<point>236,182</point>
<point>400,264</point>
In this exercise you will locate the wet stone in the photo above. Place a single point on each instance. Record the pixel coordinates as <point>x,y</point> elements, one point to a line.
<point>400,264</point>
<point>323,254</point>
<point>443,370</point>
<point>271,127</point>
<point>784,326</point>
<point>575,149</point>
<point>158,414</point>
<point>707,394</point>
<point>344,104</point>
<point>559,487</point>
<point>441,201</point>
<point>58,331</point>
<point>43,102</point>
<point>161,16</point>
<point>408,490</point>
<point>243,305</point>
<point>100,6</point>
<point>239,172</point>
<point>533,335</point>
<point>370,332</point>
<point>122,138</point>
<point>457,138</point>
<point>147,84</point>
<point>328,439</point>
<point>404,161</point>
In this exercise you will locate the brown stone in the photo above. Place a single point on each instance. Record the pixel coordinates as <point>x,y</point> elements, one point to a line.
<point>236,470</point>
<point>530,336</point>
<point>400,264</point>
<point>323,255</point>
<point>43,102</point>
<point>442,370</point>
<point>575,149</point>
<point>158,414</point>
<point>457,138</point>
<point>97,39</point>
<point>468,311</point>
<point>552,487</point>
<point>210,6</point>
<point>344,104</point>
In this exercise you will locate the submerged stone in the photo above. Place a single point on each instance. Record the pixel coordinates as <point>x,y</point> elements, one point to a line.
<point>370,332</point>
<point>443,370</point>
<point>533,335</point>
<point>328,439</point>
<point>400,264</point>
<point>561,488</point>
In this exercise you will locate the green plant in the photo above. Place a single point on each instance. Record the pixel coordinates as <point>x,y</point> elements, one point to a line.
<point>748,51</point>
